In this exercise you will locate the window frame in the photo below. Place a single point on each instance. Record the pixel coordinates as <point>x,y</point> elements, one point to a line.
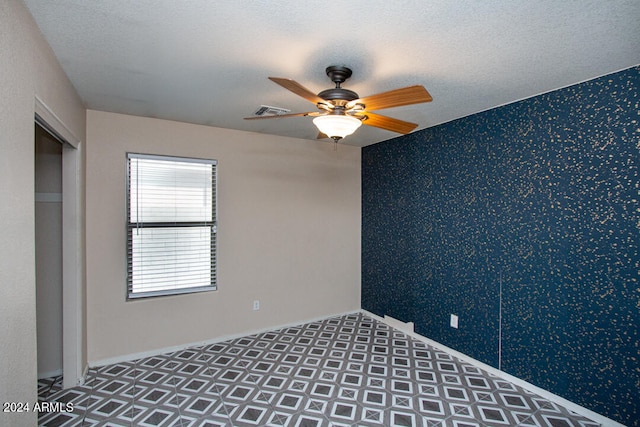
<point>132,226</point>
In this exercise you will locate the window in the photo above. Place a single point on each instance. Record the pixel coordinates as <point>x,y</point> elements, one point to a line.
<point>171,226</point>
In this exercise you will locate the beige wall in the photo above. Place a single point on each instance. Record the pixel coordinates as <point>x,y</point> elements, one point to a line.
<point>28,69</point>
<point>289,235</point>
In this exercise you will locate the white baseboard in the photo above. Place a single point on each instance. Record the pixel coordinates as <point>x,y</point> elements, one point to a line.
<point>165,350</point>
<point>83,378</point>
<point>398,324</point>
<point>50,374</point>
<point>580,410</point>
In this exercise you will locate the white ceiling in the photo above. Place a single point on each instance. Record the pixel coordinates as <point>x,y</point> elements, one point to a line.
<point>207,62</point>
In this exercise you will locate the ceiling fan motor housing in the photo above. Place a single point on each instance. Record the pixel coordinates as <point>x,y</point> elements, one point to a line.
<point>338,94</point>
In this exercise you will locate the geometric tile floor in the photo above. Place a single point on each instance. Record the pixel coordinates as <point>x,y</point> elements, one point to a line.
<point>344,371</point>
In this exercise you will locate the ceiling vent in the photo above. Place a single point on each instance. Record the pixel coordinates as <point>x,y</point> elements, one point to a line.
<point>266,110</point>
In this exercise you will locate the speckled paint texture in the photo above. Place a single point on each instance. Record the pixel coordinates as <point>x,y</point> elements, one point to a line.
<point>525,222</point>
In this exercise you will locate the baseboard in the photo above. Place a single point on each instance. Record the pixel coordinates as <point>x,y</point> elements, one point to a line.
<point>165,350</point>
<point>399,324</point>
<point>50,374</point>
<point>83,378</point>
<point>574,407</point>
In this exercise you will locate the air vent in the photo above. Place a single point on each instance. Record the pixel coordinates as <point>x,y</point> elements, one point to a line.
<point>266,110</point>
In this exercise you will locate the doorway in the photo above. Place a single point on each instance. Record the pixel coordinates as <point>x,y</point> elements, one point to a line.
<point>48,235</point>
<point>66,158</point>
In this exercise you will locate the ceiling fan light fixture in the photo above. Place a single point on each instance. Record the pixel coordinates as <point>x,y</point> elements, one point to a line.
<point>337,125</point>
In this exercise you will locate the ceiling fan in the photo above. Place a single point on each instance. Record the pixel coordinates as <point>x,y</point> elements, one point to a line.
<point>342,111</point>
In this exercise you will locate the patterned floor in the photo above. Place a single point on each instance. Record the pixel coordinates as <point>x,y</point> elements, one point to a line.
<point>344,371</point>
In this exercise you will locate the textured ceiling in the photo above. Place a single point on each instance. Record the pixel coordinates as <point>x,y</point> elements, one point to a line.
<point>207,62</point>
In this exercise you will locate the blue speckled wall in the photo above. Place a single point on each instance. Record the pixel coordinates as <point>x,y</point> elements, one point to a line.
<point>539,198</point>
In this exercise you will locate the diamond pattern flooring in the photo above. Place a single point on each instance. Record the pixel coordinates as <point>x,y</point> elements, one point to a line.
<point>343,371</point>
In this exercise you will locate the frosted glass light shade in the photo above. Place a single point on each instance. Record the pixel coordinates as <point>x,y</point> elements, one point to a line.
<point>337,126</point>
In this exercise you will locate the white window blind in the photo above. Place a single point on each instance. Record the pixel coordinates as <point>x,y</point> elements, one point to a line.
<point>171,227</point>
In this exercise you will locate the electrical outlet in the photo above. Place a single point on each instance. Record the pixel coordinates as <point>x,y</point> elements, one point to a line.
<point>454,321</point>
<point>256,305</point>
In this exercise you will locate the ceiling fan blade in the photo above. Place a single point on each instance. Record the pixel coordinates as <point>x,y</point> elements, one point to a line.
<point>394,98</point>
<point>322,136</point>
<point>298,89</point>
<point>282,116</point>
<point>388,123</point>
